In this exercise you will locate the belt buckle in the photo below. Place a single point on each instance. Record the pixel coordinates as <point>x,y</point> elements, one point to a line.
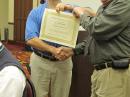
<point>41,55</point>
<point>102,66</point>
<point>50,58</point>
<point>106,65</point>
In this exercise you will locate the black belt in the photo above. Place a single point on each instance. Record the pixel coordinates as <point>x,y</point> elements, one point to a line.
<point>49,57</point>
<point>102,66</point>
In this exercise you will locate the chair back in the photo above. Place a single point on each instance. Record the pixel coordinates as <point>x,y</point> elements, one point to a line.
<point>29,90</point>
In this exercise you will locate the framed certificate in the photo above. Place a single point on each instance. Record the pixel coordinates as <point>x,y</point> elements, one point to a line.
<point>61,28</point>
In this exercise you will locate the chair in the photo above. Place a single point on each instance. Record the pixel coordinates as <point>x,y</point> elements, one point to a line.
<point>29,90</point>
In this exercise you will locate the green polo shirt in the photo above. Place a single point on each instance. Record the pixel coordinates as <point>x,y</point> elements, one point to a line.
<point>109,33</point>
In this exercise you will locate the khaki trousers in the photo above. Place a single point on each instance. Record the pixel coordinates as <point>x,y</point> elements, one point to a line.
<point>111,83</point>
<point>51,77</point>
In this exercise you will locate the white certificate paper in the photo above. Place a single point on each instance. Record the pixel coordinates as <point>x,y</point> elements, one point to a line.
<point>61,28</point>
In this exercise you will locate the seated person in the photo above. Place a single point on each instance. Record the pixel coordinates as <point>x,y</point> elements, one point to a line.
<point>12,78</point>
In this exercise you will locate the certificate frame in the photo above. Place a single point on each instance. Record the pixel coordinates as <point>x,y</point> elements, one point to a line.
<point>53,23</point>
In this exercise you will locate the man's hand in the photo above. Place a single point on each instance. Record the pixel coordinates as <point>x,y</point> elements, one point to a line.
<point>78,11</point>
<point>63,7</point>
<point>63,53</point>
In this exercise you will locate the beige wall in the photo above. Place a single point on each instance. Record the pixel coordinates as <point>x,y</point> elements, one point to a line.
<point>35,3</point>
<point>11,18</point>
<point>11,11</point>
<point>3,16</point>
<point>94,4</point>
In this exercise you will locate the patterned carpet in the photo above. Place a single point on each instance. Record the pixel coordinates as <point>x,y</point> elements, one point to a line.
<point>22,55</point>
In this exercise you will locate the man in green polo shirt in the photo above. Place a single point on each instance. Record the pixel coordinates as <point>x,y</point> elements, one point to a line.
<point>108,45</point>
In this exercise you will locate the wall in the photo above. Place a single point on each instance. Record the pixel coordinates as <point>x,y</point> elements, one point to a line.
<point>35,3</point>
<point>11,19</point>
<point>94,4</point>
<point>3,16</point>
<point>11,11</point>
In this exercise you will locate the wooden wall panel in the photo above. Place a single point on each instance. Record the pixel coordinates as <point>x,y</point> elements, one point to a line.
<point>21,11</point>
<point>17,20</point>
<point>81,76</point>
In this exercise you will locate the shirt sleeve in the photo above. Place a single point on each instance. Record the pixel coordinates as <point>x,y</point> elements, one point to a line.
<point>79,49</point>
<point>108,23</point>
<point>83,47</point>
<point>32,25</point>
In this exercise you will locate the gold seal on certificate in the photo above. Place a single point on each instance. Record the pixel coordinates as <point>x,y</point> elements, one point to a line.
<point>61,28</point>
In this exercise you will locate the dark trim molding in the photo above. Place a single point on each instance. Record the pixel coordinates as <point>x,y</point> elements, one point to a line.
<point>13,42</point>
<point>10,23</point>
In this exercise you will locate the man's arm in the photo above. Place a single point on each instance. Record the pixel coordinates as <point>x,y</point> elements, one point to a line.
<point>81,48</point>
<point>109,22</point>
<point>32,34</point>
<point>64,7</point>
<point>41,45</point>
<point>77,11</point>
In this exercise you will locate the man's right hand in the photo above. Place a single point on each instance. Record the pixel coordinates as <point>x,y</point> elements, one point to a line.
<point>63,53</point>
<point>63,7</point>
